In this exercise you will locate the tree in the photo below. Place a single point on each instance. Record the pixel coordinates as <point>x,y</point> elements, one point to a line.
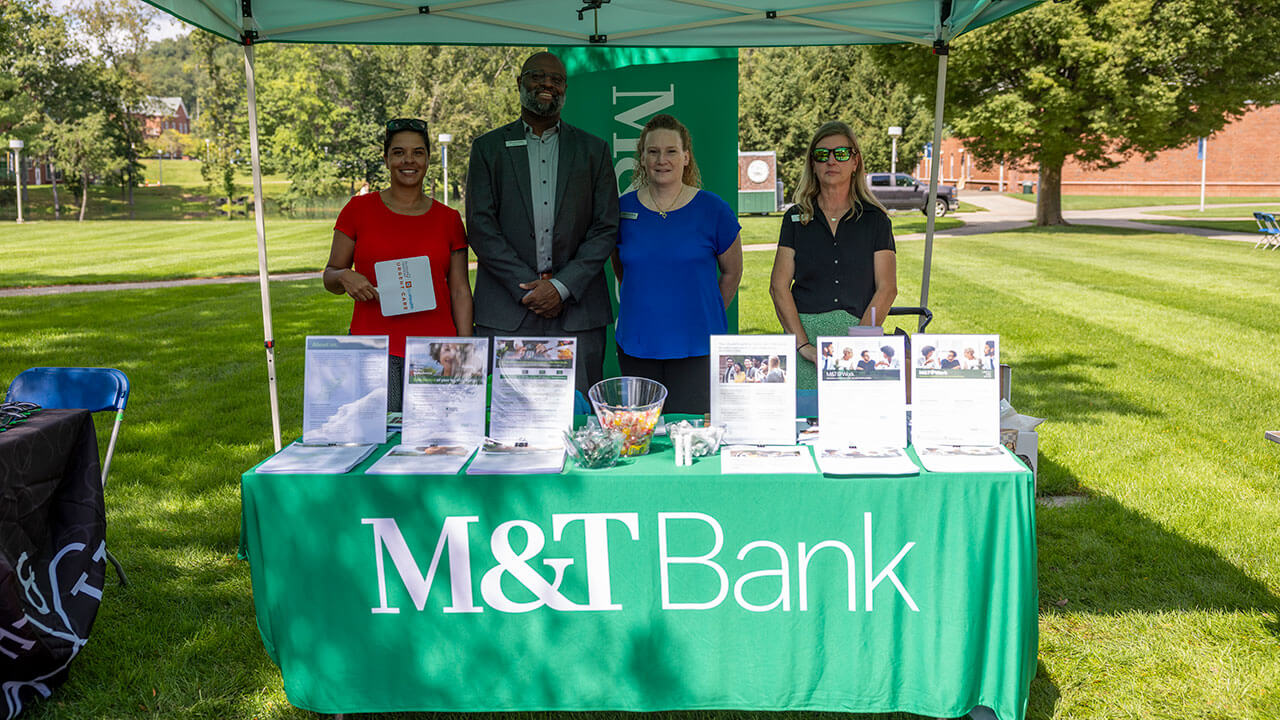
<point>82,146</point>
<point>220,126</point>
<point>786,93</point>
<point>1100,80</point>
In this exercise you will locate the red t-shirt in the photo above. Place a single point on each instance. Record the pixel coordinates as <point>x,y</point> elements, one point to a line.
<point>381,234</point>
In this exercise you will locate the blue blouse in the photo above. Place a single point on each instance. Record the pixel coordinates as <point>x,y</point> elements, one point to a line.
<point>670,302</point>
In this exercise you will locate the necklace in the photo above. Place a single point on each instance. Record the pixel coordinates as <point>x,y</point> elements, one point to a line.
<point>654,197</point>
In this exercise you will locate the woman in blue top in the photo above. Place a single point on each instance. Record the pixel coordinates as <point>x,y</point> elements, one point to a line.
<point>672,239</point>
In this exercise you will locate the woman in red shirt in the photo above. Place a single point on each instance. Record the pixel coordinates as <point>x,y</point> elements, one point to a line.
<point>396,223</point>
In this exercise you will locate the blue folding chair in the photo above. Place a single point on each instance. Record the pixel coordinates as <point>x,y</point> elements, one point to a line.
<point>1270,230</point>
<point>93,389</point>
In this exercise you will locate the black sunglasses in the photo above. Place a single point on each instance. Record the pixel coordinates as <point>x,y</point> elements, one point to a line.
<point>395,126</point>
<point>538,76</point>
<point>843,154</point>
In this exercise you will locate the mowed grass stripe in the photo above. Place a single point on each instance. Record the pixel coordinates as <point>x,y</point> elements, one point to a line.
<point>138,251</point>
<point>1226,301</point>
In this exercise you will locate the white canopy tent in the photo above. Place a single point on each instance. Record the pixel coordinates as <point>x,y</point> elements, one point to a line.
<point>603,23</point>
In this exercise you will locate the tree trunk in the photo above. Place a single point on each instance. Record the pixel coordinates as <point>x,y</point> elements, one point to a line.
<point>1049,196</point>
<point>130,181</point>
<point>84,194</point>
<point>53,179</point>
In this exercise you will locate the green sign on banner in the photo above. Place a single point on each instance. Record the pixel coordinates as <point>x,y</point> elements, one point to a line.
<point>614,91</point>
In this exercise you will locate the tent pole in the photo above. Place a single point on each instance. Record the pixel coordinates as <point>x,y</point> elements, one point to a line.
<point>934,165</point>
<point>260,222</point>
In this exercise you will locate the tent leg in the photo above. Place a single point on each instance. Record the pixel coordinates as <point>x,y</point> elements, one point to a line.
<point>938,101</point>
<point>260,222</point>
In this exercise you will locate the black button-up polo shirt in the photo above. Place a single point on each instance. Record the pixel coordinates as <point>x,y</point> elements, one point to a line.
<point>836,272</point>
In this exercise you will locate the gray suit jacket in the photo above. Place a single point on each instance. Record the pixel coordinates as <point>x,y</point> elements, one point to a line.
<point>500,227</point>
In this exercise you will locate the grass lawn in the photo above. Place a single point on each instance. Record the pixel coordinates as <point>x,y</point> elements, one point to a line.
<point>1159,592</point>
<point>763,229</point>
<point>54,253</point>
<point>1103,202</point>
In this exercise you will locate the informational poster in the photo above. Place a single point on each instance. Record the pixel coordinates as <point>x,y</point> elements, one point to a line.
<point>345,389</point>
<point>862,406</point>
<point>753,388</point>
<point>955,403</point>
<point>532,407</point>
<point>444,390</point>
<point>405,285</point>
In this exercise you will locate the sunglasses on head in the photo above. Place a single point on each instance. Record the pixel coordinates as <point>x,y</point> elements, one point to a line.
<point>843,154</point>
<point>394,126</point>
<point>538,77</point>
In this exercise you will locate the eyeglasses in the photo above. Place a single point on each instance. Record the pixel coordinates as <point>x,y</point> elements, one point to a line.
<point>395,126</point>
<point>538,77</point>
<point>843,154</point>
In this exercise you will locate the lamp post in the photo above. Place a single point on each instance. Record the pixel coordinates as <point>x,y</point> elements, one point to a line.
<point>445,139</point>
<point>895,132</point>
<point>16,145</point>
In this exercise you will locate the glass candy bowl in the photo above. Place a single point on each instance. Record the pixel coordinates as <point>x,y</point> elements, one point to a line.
<point>594,447</point>
<point>630,405</point>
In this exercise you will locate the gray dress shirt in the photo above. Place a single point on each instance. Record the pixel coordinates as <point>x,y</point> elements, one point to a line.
<point>544,163</point>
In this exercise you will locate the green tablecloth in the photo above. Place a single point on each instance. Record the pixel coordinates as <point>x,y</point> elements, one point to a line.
<point>694,593</point>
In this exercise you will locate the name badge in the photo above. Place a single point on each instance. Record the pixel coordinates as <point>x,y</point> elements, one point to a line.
<point>796,218</point>
<point>517,143</point>
<point>629,215</point>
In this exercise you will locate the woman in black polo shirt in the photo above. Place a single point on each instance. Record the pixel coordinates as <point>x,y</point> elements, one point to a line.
<point>836,264</point>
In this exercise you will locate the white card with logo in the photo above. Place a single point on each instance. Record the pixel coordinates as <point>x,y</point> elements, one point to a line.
<point>405,286</point>
<point>345,389</point>
<point>753,388</point>
<point>444,391</point>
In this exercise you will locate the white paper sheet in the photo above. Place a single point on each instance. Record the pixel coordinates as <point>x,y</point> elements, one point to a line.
<point>955,390</point>
<point>756,404</point>
<point>345,389</point>
<point>521,461</point>
<point>845,460</point>
<point>862,391</point>
<point>405,285</point>
<point>444,388</point>
<point>317,459</point>
<point>422,460</point>
<point>969,458</point>
<point>767,459</point>
<point>533,384</point>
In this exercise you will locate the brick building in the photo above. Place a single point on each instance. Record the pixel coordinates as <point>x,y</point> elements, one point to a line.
<point>1242,159</point>
<point>163,113</point>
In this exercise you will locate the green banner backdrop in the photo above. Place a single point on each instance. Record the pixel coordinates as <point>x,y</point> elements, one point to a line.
<point>614,91</point>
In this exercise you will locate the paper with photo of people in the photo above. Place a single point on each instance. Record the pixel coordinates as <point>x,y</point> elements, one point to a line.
<point>765,459</point>
<point>955,402</point>
<point>862,406</point>
<point>753,388</point>
<point>533,386</point>
<point>444,391</point>
<point>345,389</point>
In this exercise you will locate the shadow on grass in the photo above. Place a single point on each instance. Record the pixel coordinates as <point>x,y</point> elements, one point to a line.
<point>1059,386</point>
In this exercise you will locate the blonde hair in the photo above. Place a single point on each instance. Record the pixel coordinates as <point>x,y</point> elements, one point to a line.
<point>806,193</point>
<point>664,121</point>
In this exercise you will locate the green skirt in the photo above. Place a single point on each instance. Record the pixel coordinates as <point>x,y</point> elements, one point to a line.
<point>832,323</point>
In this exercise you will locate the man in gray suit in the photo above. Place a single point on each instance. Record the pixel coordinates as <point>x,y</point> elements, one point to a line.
<point>542,218</point>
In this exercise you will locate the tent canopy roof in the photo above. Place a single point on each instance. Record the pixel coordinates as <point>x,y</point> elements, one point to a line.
<point>624,23</point>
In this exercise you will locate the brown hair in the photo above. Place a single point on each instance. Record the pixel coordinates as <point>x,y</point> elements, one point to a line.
<point>665,122</point>
<point>807,190</point>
